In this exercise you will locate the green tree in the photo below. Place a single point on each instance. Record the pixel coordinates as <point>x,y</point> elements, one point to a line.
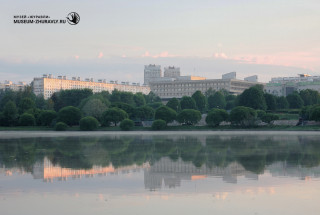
<point>159,124</point>
<point>282,102</point>
<point>200,100</point>
<point>294,100</point>
<point>72,97</point>
<point>61,126</point>
<point>139,99</point>
<point>217,100</point>
<point>189,117</point>
<point>27,119</point>
<point>174,104</point>
<point>253,98</point>
<point>127,97</point>
<point>129,109</point>
<point>269,117</point>
<point>315,113</point>
<point>95,108</point>
<point>152,98</point>
<point>271,101</point>
<point>309,97</point>
<point>187,102</point>
<point>10,113</point>
<point>115,96</point>
<point>243,116</point>
<point>155,105</point>
<point>88,123</point>
<point>26,104</point>
<point>144,113</point>
<point>216,116</point>
<point>40,102</point>
<point>126,124</point>
<point>113,115</point>
<point>69,115</point>
<point>46,117</point>
<point>209,92</point>
<point>165,113</point>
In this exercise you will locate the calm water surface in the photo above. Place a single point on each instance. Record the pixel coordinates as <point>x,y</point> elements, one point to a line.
<point>159,173</point>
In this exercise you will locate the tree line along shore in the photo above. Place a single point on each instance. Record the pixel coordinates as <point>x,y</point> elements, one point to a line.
<point>80,109</point>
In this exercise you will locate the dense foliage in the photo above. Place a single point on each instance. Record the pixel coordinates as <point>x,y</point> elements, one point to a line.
<point>165,113</point>
<point>189,117</point>
<point>126,124</point>
<point>216,116</point>
<point>88,123</point>
<point>69,115</point>
<point>159,124</point>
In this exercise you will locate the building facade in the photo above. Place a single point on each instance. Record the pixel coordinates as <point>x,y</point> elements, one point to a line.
<point>171,72</point>
<point>9,85</point>
<point>47,85</point>
<point>151,72</point>
<point>284,86</point>
<point>179,86</point>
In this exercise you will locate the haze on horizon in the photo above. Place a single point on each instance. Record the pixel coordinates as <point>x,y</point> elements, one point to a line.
<point>115,39</point>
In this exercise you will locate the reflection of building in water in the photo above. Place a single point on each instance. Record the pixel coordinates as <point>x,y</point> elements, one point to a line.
<point>47,171</point>
<point>170,173</point>
<point>283,169</point>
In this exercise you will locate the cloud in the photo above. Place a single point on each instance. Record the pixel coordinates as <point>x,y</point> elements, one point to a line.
<point>220,55</point>
<point>100,55</point>
<point>146,54</point>
<point>305,60</point>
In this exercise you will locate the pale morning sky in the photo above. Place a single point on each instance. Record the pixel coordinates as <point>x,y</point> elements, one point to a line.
<point>115,39</point>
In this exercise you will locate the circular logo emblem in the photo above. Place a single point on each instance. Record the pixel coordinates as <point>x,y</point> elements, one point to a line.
<point>73,18</point>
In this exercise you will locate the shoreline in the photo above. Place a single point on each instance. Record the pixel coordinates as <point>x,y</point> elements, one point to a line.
<point>31,134</point>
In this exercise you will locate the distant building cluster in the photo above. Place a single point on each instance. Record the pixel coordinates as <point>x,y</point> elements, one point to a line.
<point>172,84</point>
<point>9,85</point>
<point>168,84</point>
<point>284,86</point>
<point>48,84</point>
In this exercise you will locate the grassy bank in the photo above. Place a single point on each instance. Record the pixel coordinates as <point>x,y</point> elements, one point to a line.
<point>175,128</point>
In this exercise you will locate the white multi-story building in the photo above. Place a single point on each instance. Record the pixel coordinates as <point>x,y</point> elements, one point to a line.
<point>151,72</point>
<point>180,86</point>
<point>9,85</point>
<point>171,72</point>
<point>47,85</point>
<point>284,86</point>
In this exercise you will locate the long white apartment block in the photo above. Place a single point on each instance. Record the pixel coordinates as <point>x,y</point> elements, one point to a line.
<point>48,84</point>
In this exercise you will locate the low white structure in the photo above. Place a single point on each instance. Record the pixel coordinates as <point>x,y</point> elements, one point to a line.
<point>284,86</point>
<point>9,85</point>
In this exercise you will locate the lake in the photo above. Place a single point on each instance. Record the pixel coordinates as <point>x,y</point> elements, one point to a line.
<point>231,172</point>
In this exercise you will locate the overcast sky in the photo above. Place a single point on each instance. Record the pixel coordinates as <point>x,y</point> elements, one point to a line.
<point>115,39</point>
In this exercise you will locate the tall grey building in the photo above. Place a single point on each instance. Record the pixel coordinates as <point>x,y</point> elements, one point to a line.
<point>171,71</point>
<point>151,72</point>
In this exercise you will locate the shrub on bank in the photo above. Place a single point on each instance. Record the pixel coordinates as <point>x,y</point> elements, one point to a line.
<point>126,124</point>
<point>243,116</point>
<point>189,117</point>
<point>27,119</point>
<point>88,123</point>
<point>61,126</point>
<point>70,115</point>
<point>159,124</point>
<point>216,116</point>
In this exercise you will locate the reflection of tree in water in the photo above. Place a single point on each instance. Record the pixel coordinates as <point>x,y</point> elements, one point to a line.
<point>253,153</point>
